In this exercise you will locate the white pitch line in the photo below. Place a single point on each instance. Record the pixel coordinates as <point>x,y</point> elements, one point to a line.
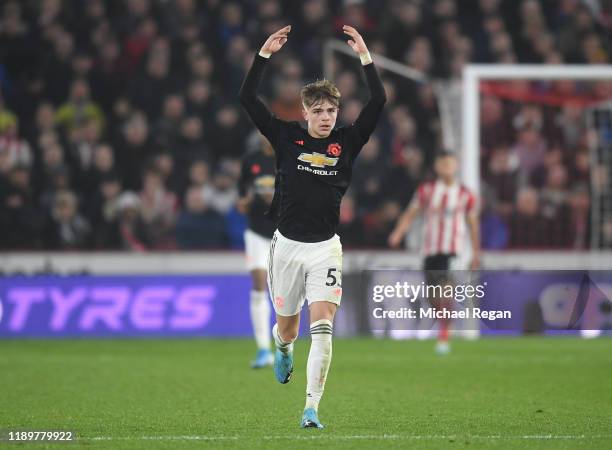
<point>343,437</point>
<point>160,438</point>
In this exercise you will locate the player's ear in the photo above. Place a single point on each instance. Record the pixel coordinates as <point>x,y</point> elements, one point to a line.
<point>305,114</point>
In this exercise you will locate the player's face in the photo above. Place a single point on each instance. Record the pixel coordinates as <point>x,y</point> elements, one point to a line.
<point>446,167</point>
<point>321,118</point>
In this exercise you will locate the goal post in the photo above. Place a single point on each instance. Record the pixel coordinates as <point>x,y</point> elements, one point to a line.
<point>474,74</point>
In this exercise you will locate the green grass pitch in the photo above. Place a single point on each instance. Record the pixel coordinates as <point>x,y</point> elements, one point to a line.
<point>492,393</point>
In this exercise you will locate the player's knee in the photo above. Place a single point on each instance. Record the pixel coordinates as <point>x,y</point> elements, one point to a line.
<point>258,277</point>
<point>323,311</point>
<point>259,285</point>
<point>288,332</point>
<point>288,335</point>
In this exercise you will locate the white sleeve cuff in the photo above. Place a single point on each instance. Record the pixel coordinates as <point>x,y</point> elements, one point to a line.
<point>365,58</point>
<point>264,54</point>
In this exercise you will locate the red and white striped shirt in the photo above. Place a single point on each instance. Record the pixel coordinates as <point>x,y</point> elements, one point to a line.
<point>445,208</point>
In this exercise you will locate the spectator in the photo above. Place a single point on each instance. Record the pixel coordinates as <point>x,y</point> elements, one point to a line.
<point>227,137</point>
<point>20,220</point>
<point>134,149</point>
<point>288,104</point>
<point>14,151</point>
<point>66,229</point>
<point>580,202</point>
<point>54,175</point>
<point>527,226</point>
<point>200,101</point>
<point>158,209</point>
<point>368,176</point>
<point>554,206</point>
<point>504,178</point>
<point>108,77</point>
<point>402,179</point>
<point>148,89</point>
<point>493,228</point>
<point>494,129</point>
<point>164,164</point>
<point>132,231</point>
<point>350,111</point>
<point>102,165</point>
<point>530,149</point>
<point>581,168</point>
<point>222,194</point>
<point>167,128</point>
<point>82,142</point>
<point>199,175</point>
<point>45,122</point>
<point>79,108</point>
<point>190,146</point>
<point>104,212</point>
<point>199,226</point>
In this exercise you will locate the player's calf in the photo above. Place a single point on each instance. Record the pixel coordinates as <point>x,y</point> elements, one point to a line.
<point>319,360</point>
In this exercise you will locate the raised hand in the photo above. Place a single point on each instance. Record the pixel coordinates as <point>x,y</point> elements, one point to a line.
<point>356,42</point>
<point>276,40</point>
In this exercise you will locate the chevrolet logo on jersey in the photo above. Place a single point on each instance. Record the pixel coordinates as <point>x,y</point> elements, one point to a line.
<point>264,184</point>
<point>318,159</point>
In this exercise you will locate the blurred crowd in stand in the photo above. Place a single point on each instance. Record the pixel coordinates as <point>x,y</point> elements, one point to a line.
<point>120,126</point>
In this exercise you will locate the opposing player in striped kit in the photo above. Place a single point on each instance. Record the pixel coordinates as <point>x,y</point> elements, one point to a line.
<point>314,167</point>
<point>447,207</point>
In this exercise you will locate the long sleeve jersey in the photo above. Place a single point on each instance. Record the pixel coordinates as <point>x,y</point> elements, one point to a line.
<point>312,174</point>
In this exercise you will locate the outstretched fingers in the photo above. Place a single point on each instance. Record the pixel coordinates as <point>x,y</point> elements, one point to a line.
<point>283,32</point>
<point>352,32</point>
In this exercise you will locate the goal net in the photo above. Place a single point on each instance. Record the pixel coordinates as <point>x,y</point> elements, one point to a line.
<point>537,144</point>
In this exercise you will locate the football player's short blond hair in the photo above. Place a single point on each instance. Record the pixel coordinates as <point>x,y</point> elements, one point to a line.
<point>318,92</point>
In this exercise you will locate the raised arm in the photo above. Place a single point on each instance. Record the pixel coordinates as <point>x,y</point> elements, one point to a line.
<point>368,118</point>
<point>403,225</point>
<point>474,228</point>
<point>257,111</point>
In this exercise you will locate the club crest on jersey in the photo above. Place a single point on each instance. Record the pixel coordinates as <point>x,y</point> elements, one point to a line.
<point>334,149</point>
<point>318,159</point>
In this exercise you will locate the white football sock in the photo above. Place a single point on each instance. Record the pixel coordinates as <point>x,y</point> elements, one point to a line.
<point>285,347</point>
<point>319,360</point>
<point>260,318</point>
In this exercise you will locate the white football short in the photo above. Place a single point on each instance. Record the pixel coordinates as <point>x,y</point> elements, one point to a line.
<point>257,248</point>
<point>299,271</point>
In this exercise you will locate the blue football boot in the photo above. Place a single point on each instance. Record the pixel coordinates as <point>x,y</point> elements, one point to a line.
<point>283,366</point>
<point>264,358</point>
<point>310,419</point>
